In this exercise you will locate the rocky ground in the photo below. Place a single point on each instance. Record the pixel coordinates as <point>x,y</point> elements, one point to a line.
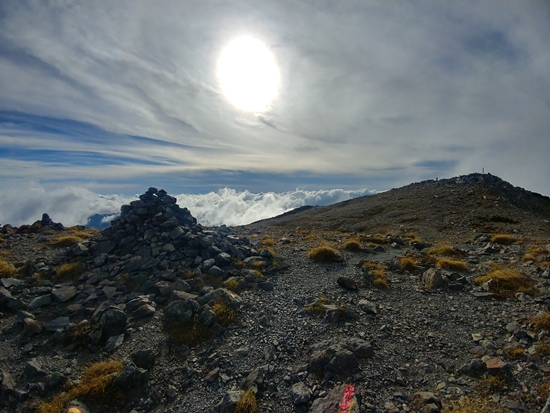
<point>387,334</point>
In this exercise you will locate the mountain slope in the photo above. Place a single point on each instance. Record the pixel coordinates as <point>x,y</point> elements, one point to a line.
<point>466,204</point>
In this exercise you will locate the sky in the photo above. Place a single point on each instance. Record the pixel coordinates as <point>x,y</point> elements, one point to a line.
<point>100,100</point>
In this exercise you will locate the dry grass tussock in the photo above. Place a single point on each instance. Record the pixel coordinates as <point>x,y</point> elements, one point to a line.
<point>447,251</point>
<point>186,333</point>
<point>452,265</point>
<point>407,264</point>
<point>318,308</point>
<point>504,239</point>
<point>506,282</point>
<point>232,285</point>
<point>7,270</point>
<point>380,278</point>
<point>72,236</point>
<point>225,314</point>
<point>472,405</point>
<point>325,254</point>
<point>247,403</point>
<point>71,271</point>
<point>97,383</point>
<point>352,245</point>
<point>541,322</point>
<point>542,349</point>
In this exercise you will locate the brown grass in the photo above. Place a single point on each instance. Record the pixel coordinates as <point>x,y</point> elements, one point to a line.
<point>65,241</point>
<point>542,322</point>
<point>515,352</point>
<point>504,239</point>
<point>352,245</point>
<point>544,390</point>
<point>452,265</point>
<point>542,349</point>
<point>318,308</point>
<point>407,264</point>
<point>247,403</point>
<point>7,270</point>
<point>324,254</point>
<point>70,271</point>
<point>472,405</point>
<point>186,333</point>
<point>447,251</point>
<point>507,282</point>
<point>380,278</point>
<point>97,383</point>
<point>225,314</point>
<point>232,285</point>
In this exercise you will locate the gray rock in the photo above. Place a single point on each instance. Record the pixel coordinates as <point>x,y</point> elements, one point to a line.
<point>132,377</point>
<point>221,294</point>
<point>361,348</point>
<point>300,393</point>
<point>8,383</point>
<point>59,323</point>
<point>367,306</point>
<point>183,309</point>
<point>473,368</point>
<point>10,282</point>
<point>33,326</point>
<point>41,301</point>
<point>334,361</point>
<point>206,316</point>
<point>109,291</point>
<point>64,293</point>
<point>546,408</point>
<point>33,370</point>
<point>331,402</point>
<point>143,358</point>
<point>347,283</point>
<point>433,279</point>
<point>114,322</point>
<point>426,402</point>
<point>145,310</point>
<point>113,342</point>
<point>229,401</point>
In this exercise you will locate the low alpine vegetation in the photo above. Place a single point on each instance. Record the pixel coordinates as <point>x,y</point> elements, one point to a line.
<point>352,245</point>
<point>541,322</point>
<point>407,264</point>
<point>182,332</point>
<point>247,403</point>
<point>504,239</point>
<point>452,265</point>
<point>7,270</point>
<point>225,314</point>
<point>324,254</point>
<point>70,271</point>
<point>447,251</point>
<point>506,282</point>
<point>97,383</point>
<point>65,241</point>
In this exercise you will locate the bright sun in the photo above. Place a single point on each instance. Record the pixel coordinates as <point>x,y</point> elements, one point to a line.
<point>248,74</point>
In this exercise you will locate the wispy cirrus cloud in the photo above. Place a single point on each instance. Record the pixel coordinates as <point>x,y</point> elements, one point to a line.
<point>386,93</point>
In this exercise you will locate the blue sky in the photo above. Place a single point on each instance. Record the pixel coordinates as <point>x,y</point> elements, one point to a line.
<point>114,97</point>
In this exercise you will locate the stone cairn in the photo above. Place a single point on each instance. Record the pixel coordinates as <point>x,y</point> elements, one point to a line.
<point>155,255</point>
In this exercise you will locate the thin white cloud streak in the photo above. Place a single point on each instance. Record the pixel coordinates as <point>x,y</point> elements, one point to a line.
<point>367,86</point>
<point>74,205</point>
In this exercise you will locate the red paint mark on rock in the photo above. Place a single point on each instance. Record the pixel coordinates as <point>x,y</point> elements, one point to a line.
<point>347,399</point>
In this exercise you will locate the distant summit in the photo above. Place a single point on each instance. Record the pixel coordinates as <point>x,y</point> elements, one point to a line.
<point>467,204</point>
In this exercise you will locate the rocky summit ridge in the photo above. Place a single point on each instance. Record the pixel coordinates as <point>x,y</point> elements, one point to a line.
<point>428,298</point>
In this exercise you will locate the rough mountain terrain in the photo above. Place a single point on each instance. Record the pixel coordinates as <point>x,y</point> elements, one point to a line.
<point>428,298</point>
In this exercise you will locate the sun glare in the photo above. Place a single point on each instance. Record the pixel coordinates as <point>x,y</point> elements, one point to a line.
<point>248,74</point>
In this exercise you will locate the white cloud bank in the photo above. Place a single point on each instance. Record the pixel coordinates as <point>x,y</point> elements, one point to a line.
<point>74,205</point>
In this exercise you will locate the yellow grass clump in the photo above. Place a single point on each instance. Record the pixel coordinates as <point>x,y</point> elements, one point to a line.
<point>232,284</point>
<point>506,282</point>
<point>71,270</point>
<point>225,314</point>
<point>504,239</point>
<point>380,278</point>
<point>7,270</point>
<point>446,251</point>
<point>472,405</point>
<point>352,245</point>
<point>247,403</point>
<point>452,265</point>
<point>542,349</point>
<point>407,264</point>
<point>325,254</point>
<point>98,382</point>
<point>541,322</point>
<point>65,241</point>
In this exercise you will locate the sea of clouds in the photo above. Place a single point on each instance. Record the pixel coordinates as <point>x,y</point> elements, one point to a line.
<point>74,205</point>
